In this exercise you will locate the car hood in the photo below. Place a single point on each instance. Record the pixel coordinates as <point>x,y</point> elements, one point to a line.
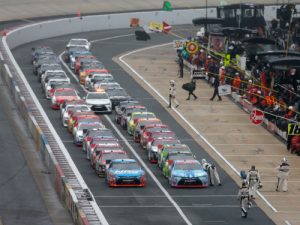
<point>97,101</point>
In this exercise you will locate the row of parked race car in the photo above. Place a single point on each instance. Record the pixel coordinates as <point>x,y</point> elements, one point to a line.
<point>101,147</point>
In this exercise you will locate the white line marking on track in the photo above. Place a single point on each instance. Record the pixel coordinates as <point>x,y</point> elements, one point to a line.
<point>170,206</point>
<point>163,196</point>
<point>181,213</point>
<point>181,116</point>
<point>287,222</point>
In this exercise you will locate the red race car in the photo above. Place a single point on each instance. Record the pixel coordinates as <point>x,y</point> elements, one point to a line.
<point>61,95</point>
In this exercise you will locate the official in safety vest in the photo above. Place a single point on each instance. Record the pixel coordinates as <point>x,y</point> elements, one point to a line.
<point>253,179</point>
<point>282,176</point>
<point>244,198</point>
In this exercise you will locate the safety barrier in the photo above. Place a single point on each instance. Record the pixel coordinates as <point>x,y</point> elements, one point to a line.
<point>73,192</point>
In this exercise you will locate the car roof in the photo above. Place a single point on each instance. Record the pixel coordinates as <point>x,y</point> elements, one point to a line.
<point>124,160</point>
<point>188,161</point>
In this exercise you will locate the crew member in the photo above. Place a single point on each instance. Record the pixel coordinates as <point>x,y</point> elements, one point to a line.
<point>181,65</point>
<point>282,176</point>
<point>244,198</point>
<point>216,89</point>
<point>191,89</point>
<point>172,94</point>
<point>253,179</point>
<point>212,173</point>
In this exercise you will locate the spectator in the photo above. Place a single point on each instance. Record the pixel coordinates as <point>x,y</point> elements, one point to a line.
<point>216,89</point>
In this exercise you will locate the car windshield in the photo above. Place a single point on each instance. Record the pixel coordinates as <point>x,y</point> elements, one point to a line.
<point>102,133</point>
<point>111,156</point>
<point>164,134</point>
<point>78,42</point>
<point>82,108</point>
<point>50,67</point>
<point>89,126</point>
<point>187,166</point>
<point>65,93</point>
<point>180,156</point>
<point>125,166</point>
<point>143,115</point>
<point>165,141</point>
<point>97,96</point>
<point>116,92</point>
<point>104,77</point>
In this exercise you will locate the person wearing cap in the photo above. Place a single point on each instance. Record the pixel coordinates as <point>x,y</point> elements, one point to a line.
<point>172,95</point>
<point>222,75</point>
<point>282,176</point>
<point>212,172</point>
<point>244,198</point>
<point>237,82</point>
<point>216,85</point>
<point>253,179</point>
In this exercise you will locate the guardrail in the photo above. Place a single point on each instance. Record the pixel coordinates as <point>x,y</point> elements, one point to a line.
<point>67,181</point>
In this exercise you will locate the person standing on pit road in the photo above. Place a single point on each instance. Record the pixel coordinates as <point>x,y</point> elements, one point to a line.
<point>190,87</point>
<point>181,65</point>
<point>212,173</point>
<point>216,88</point>
<point>172,95</point>
<point>253,179</point>
<point>282,176</point>
<point>244,198</point>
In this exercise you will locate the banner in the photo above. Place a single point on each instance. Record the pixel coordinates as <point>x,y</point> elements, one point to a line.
<point>293,129</point>
<point>178,44</point>
<point>198,74</point>
<point>224,90</point>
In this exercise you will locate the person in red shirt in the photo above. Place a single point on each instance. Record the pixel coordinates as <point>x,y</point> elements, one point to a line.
<point>222,75</point>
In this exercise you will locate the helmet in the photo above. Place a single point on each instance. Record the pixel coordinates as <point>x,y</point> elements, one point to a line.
<point>203,161</point>
<point>223,67</point>
<point>172,81</point>
<point>252,167</point>
<point>284,160</point>
<point>209,57</point>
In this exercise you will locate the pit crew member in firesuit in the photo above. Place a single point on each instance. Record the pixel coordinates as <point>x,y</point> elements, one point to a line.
<point>244,198</point>
<point>253,179</point>
<point>172,95</point>
<point>212,173</point>
<point>282,176</point>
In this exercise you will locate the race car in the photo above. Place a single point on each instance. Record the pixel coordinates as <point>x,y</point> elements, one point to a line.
<point>51,74</point>
<point>93,78</point>
<point>162,133</point>
<point>75,54</point>
<point>103,145</point>
<point>61,95</point>
<point>79,42</point>
<point>101,141</point>
<point>69,107</point>
<point>117,95</point>
<point>125,172</point>
<point>187,173</point>
<point>87,69</point>
<point>57,85</point>
<point>74,116</point>
<point>148,129</point>
<point>85,119</point>
<point>82,128</point>
<point>127,112</point>
<point>155,146</point>
<point>84,59</point>
<point>105,157</point>
<point>99,102</point>
<point>39,50</point>
<point>159,27</point>
<point>140,125</point>
<point>135,116</point>
<point>172,156</point>
<point>49,58</point>
<point>121,106</point>
<point>95,133</point>
<point>45,67</point>
<point>169,148</point>
<point>51,83</point>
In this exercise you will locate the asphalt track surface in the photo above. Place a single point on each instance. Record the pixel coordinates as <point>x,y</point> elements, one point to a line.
<point>20,200</point>
<point>148,205</point>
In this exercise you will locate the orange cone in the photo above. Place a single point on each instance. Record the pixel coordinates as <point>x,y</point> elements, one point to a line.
<point>78,13</point>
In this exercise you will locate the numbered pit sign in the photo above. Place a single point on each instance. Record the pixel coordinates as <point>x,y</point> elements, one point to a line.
<point>294,129</point>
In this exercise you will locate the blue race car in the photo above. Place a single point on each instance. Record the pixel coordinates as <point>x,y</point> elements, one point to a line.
<point>187,173</point>
<point>126,173</point>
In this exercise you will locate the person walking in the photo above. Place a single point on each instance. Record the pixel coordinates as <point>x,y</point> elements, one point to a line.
<point>172,95</point>
<point>282,176</point>
<point>253,179</point>
<point>244,198</point>
<point>216,88</point>
<point>212,173</point>
<point>181,65</point>
<point>190,87</point>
